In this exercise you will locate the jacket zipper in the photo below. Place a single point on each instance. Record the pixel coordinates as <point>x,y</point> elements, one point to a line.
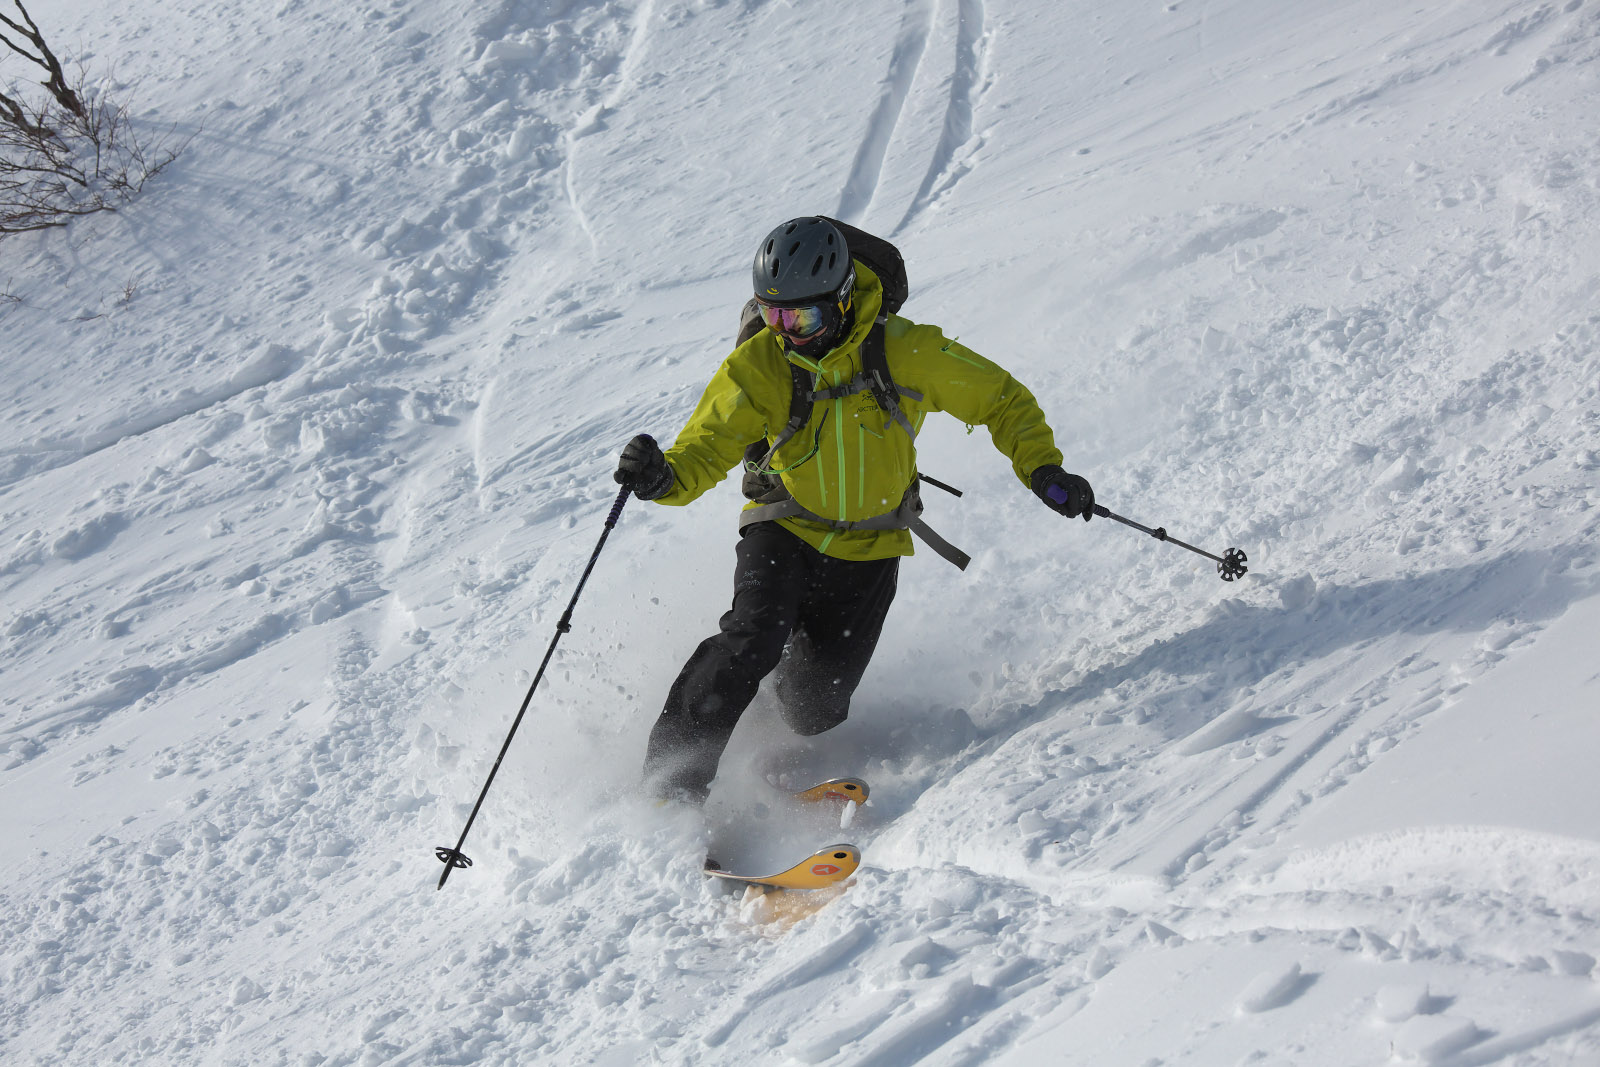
<point>861,468</point>
<point>838,437</point>
<point>822,470</point>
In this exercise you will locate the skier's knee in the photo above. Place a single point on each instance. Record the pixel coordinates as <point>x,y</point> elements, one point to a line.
<point>813,721</point>
<point>812,709</point>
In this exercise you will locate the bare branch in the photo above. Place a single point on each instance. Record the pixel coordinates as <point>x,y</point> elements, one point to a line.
<point>12,113</point>
<point>71,154</point>
<point>46,59</point>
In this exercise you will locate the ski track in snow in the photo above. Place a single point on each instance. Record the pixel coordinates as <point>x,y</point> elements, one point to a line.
<point>956,136</point>
<point>924,117</point>
<point>910,43</point>
<point>287,526</point>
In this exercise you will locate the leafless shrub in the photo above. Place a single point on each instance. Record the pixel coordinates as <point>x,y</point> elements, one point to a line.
<point>72,152</point>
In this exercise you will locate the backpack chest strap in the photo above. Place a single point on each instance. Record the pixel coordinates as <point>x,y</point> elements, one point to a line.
<point>886,393</point>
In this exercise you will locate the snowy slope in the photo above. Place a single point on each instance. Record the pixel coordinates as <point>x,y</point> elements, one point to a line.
<point>304,452</point>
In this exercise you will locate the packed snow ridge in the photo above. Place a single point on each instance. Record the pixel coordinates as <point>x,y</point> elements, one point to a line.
<point>305,450</point>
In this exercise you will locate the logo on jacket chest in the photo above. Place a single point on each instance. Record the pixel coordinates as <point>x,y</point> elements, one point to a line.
<point>864,409</point>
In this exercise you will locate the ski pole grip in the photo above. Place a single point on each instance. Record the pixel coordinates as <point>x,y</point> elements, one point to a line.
<point>1059,495</point>
<point>616,509</point>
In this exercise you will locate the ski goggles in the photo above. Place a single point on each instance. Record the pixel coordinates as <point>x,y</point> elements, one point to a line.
<point>800,322</point>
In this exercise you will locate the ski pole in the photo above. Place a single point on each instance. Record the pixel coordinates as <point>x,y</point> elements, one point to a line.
<point>454,857</point>
<point>1230,565</point>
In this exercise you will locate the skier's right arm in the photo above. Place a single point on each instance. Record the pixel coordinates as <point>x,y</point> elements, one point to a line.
<point>724,422</point>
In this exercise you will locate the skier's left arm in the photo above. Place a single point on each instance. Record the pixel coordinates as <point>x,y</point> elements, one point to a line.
<point>979,392</point>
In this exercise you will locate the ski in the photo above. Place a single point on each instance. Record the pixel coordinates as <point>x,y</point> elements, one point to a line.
<point>835,789</point>
<point>821,869</point>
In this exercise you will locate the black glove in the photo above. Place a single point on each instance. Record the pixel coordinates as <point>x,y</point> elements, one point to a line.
<point>644,469</point>
<point>1072,495</point>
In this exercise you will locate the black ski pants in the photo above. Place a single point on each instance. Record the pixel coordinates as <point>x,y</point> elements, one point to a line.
<point>818,616</point>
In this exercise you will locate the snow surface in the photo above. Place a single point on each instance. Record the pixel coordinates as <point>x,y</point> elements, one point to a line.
<point>304,452</point>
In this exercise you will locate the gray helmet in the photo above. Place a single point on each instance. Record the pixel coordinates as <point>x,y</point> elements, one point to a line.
<point>803,261</point>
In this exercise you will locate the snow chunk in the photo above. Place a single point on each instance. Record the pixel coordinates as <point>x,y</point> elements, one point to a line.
<point>328,606</point>
<point>923,958</point>
<point>1031,824</point>
<point>755,907</point>
<point>500,55</point>
<point>122,687</point>
<point>1400,476</point>
<point>1271,989</point>
<point>1397,1003</point>
<point>1572,964</point>
<point>1296,593</point>
<point>26,621</point>
<point>1099,964</point>
<point>1431,1038</point>
<point>244,991</point>
<point>848,815</point>
<point>1225,729</point>
<point>263,368</point>
<point>87,538</point>
<point>195,459</point>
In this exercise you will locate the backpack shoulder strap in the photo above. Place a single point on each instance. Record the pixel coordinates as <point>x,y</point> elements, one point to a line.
<point>875,366</point>
<point>801,399</point>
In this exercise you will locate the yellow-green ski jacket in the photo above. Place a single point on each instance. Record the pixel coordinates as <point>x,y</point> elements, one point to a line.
<point>851,461</point>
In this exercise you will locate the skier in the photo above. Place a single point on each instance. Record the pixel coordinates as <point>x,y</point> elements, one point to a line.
<point>834,488</point>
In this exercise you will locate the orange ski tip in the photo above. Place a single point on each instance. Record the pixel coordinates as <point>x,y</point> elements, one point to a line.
<point>835,861</point>
<point>821,869</point>
<point>842,789</point>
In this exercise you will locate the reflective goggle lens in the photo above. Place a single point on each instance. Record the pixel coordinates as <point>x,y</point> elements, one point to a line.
<point>796,322</point>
